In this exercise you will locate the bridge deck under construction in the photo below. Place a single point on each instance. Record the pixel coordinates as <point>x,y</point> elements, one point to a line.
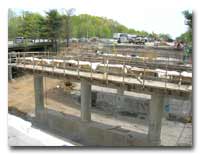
<point>121,78</point>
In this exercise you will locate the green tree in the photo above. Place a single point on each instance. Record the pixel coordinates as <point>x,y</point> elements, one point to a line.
<point>165,37</point>
<point>54,27</point>
<point>188,21</point>
<point>29,27</point>
<point>188,18</point>
<point>13,24</point>
<point>43,30</point>
<point>187,36</point>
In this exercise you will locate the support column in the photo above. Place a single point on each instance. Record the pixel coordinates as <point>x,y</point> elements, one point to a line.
<point>9,72</point>
<point>120,91</point>
<point>155,117</point>
<point>85,101</point>
<point>39,97</point>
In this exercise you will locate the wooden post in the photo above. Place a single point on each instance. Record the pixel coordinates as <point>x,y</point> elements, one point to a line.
<point>64,66</point>
<point>78,68</point>
<point>166,73</point>
<point>53,65</point>
<point>143,74</point>
<point>24,59</point>
<point>123,72</point>
<point>33,63</point>
<point>107,61</point>
<point>42,64</point>
<point>91,69</point>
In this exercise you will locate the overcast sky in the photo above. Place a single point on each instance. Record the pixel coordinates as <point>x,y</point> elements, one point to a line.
<point>150,15</point>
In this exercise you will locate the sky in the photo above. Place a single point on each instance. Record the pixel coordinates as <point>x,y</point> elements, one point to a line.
<point>150,15</point>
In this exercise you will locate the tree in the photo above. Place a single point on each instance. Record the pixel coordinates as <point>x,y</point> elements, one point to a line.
<point>132,31</point>
<point>165,37</point>
<point>42,24</point>
<point>13,24</point>
<point>154,36</point>
<point>188,18</point>
<point>68,24</point>
<point>187,36</point>
<point>54,27</point>
<point>30,25</point>
<point>188,22</point>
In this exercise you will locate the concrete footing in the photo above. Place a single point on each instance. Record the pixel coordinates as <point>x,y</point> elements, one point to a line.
<point>39,97</point>
<point>92,133</point>
<point>85,101</point>
<point>155,119</point>
<point>120,91</point>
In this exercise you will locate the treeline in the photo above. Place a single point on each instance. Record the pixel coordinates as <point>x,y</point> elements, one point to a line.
<point>85,25</point>
<point>66,25</point>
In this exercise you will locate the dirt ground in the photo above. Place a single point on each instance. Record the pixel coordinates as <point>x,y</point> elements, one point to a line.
<point>21,98</point>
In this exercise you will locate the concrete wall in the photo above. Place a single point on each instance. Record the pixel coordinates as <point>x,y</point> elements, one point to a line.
<point>91,133</point>
<point>178,108</point>
<point>135,106</point>
<point>122,104</point>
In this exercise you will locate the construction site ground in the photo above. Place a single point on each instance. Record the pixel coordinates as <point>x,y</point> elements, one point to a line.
<point>21,98</point>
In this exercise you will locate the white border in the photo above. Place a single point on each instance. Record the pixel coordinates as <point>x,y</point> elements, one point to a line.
<point>190,4</point>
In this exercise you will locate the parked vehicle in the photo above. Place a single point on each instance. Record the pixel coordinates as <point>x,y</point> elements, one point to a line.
<point>19,40</point>
<point>123,38</point>
<point>129,38</point>
<point>132,38</point>
<point>139,40</point>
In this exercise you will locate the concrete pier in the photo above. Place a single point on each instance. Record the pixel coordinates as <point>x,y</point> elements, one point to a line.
<point>85,101</point>
<point>120,91</point>
<point>155,119</point>
<point>10,73</point>
<point>39,97</point>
